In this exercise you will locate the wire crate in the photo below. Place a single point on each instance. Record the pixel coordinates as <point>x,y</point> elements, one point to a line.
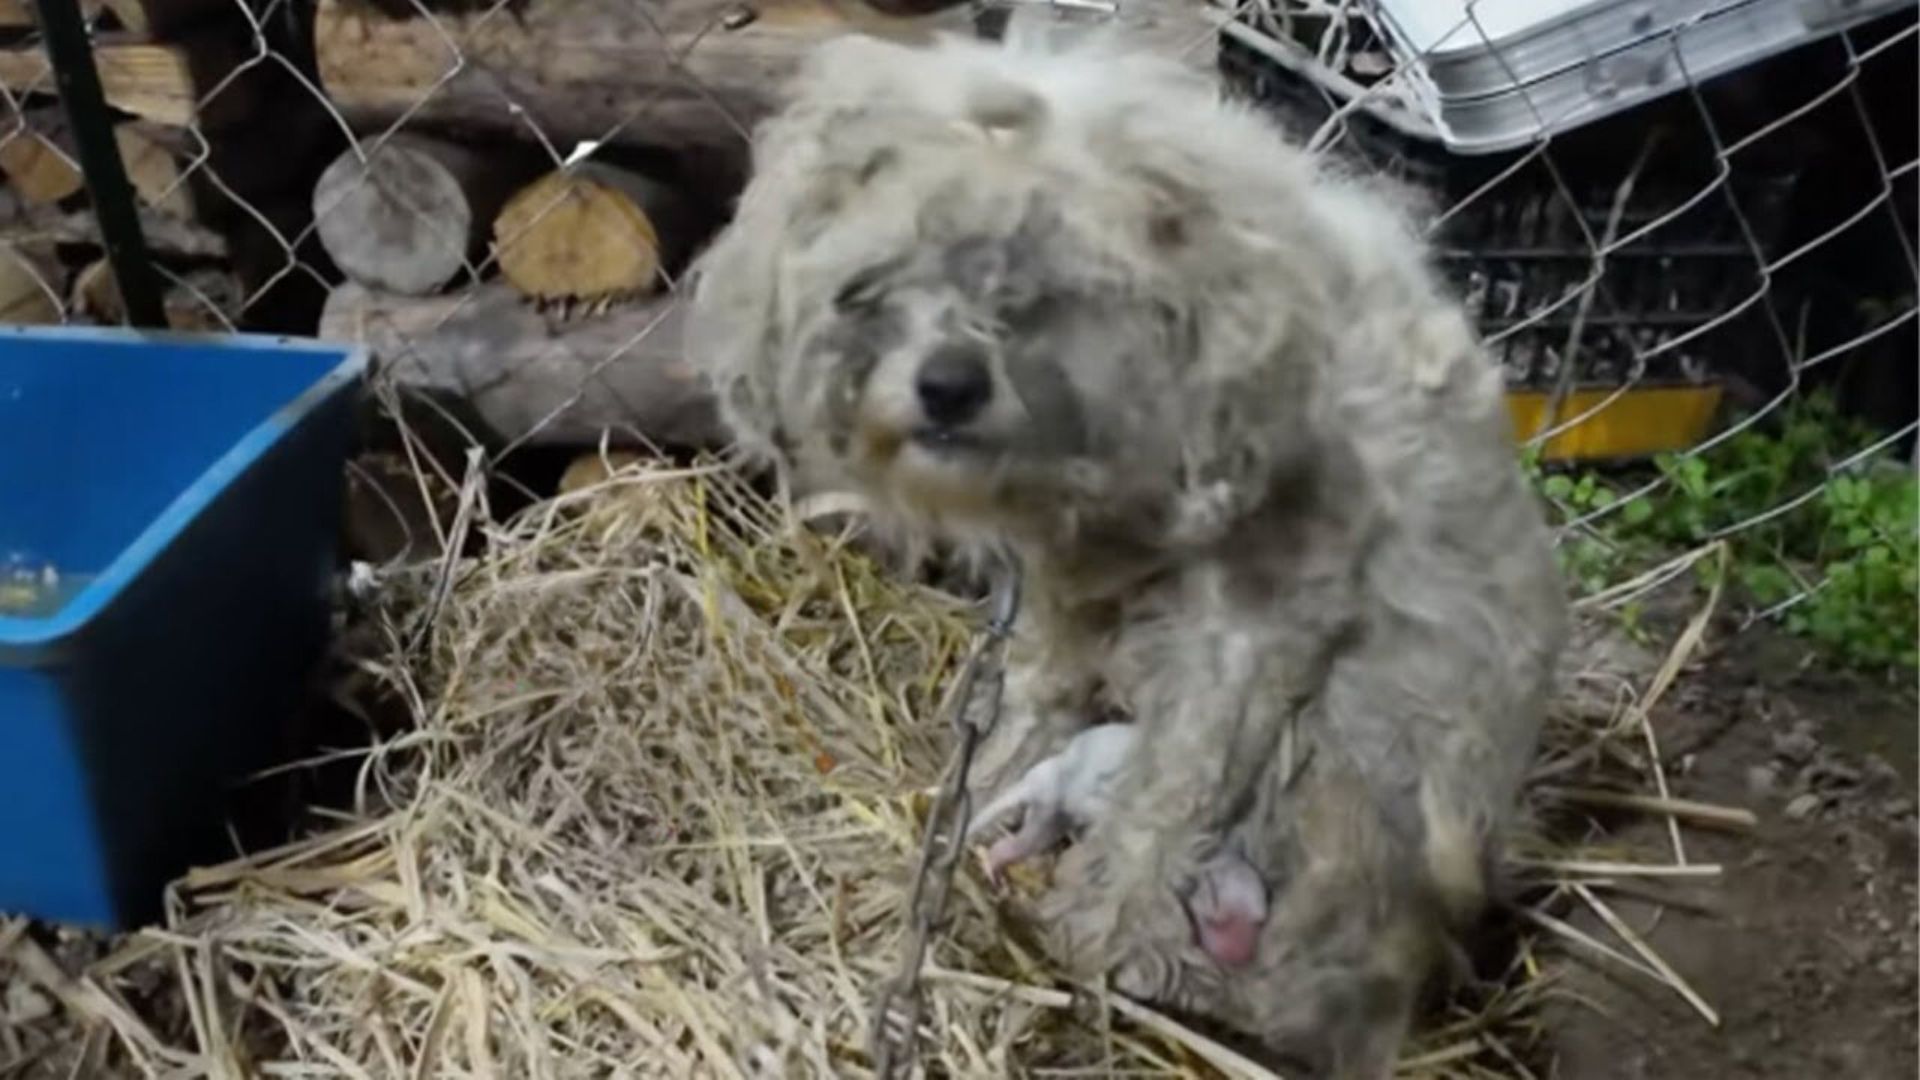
<point>1647,248</point>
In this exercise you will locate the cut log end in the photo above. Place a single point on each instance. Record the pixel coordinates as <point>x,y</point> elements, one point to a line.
<point>28,284</point>
<point>400,220</point>
<point>40,170</point>
<point>155,80</point>
<point>42,164</point>
<point>153,172</point>
<point>200,301</point>
<point>583,234</point>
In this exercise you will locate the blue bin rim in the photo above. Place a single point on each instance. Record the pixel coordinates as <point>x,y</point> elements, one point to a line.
<point>31,635</point>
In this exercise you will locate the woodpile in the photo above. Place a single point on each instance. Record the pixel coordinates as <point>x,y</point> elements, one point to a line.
<point>411,214</point>
<point>53,267</point>
<point>149,54</point>
<point>489,268</point>
<point>43,168</point>
<point>536,376</point>
<point>135,16</point>
<point>675,73</point>
<point>497,201</point>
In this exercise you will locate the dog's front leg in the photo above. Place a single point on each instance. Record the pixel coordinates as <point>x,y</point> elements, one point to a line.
<point>1051,677</point>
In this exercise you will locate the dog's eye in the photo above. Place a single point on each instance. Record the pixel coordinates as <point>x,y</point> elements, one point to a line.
<point>862,291</point>
<point>1030,316</point>
<point>857,294</point>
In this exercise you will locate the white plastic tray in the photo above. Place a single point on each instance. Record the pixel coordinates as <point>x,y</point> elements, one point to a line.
<point>1491,75</point>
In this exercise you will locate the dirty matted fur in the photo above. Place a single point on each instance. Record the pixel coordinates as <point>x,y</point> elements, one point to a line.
<point>1254,462</point>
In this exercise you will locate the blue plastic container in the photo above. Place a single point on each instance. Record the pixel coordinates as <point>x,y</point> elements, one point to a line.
<point>193,483</point>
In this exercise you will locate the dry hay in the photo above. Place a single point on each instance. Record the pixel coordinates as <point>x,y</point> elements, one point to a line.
<point>655,817</point>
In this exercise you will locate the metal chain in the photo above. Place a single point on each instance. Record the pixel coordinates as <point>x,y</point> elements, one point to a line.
<point>896,1020</point>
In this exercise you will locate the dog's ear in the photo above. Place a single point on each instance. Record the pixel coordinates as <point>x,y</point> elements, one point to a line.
<point>866,287</point>
<point>729,322</point>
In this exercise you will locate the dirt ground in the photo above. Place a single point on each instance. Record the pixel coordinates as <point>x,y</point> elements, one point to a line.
<point>1806,945</point>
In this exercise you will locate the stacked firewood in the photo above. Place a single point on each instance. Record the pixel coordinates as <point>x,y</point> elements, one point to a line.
<point>52,256</point>
<point>530,181</point>
<point>497,198</point>
<point>220,140</point>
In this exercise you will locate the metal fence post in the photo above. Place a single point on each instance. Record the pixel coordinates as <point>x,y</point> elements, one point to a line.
<point>71,54</point>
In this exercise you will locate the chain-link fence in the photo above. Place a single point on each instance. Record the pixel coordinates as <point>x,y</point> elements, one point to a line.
<point>1669,251</point>
<point>1674,249</point>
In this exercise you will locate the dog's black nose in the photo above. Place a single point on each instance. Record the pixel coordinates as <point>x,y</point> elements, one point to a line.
<point>954,384</point>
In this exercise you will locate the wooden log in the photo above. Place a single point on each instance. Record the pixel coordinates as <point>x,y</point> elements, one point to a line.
<point>29,287</point>
<point>201,300</point>
<point>43,165</point>
<point>163,82</point>
<point>96,293</point>
<point>154,172</point>
<point>680,73</point>
<point>142,78</point>
<point>38,164</point>
<point>412,213</point>
<point>164,235</point>
<point>524,378</point>
<point>19,14</point>
<point>139,16</point>
<point>590,231</point>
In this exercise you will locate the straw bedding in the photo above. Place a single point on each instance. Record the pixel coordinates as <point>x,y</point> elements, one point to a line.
<point>655,816</point>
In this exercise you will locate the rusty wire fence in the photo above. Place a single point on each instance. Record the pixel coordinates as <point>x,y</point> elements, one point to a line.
<point>1679,283</point>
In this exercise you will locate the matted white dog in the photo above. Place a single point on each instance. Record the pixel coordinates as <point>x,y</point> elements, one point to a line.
<point>1255,463</point>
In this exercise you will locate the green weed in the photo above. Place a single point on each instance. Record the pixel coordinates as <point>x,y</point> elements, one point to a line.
<point>1837,553</point>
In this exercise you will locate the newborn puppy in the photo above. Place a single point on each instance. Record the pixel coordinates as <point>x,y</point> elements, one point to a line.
<point>1228,905</point>
<point>1061,793</point>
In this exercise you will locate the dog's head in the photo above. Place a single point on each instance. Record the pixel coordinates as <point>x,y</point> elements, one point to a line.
<point>996,300</point>
<point>972,382</point>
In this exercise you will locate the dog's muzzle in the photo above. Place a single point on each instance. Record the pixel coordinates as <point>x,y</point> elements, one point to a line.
<point>954,386</point>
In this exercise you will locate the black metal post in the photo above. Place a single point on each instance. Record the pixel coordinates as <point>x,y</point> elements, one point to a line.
<point>71,53</point>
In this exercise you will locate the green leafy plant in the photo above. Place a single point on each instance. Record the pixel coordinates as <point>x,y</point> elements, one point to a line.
<point>1835,550</point>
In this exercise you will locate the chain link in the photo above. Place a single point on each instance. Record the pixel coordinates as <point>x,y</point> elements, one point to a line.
<point>896,1019</point>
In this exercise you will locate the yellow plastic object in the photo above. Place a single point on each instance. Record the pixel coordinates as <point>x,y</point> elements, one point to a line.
<point>1634,423</point>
